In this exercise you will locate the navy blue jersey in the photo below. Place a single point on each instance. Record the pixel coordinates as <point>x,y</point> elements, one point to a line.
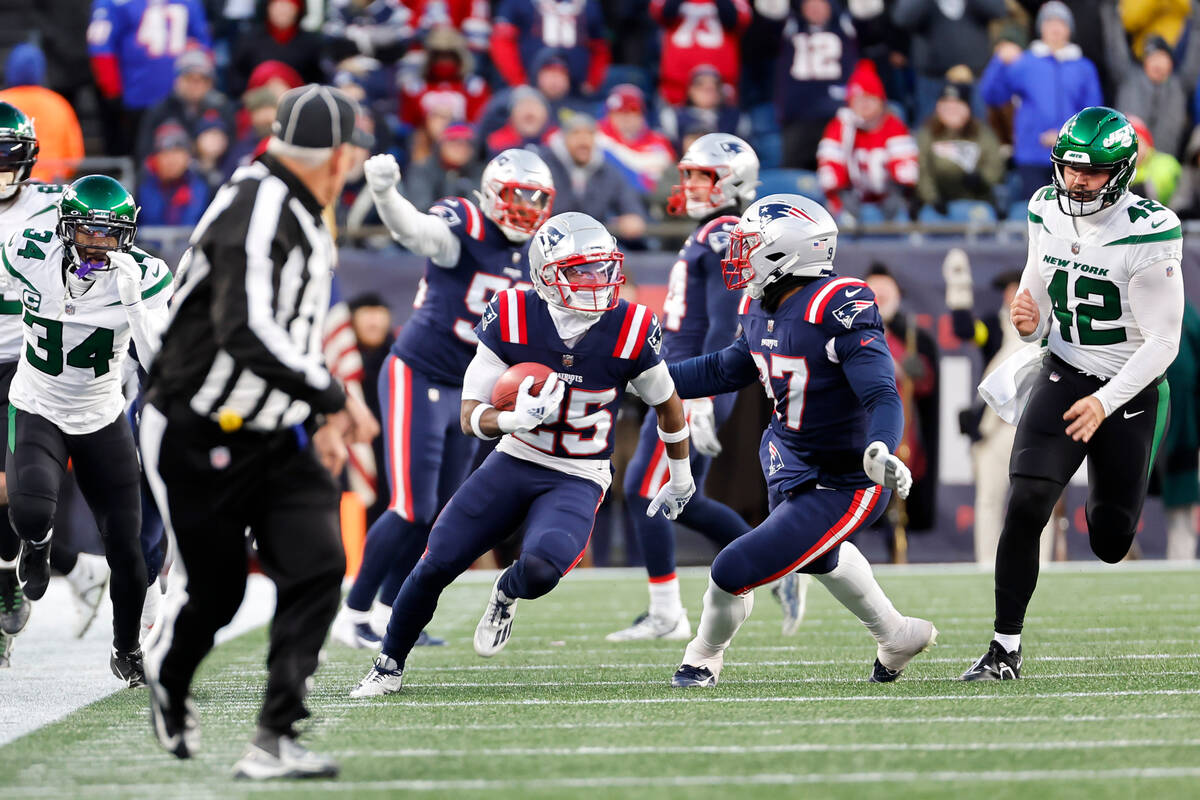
<point>700,314</point>
<point>439,339</point>
<point>823,360</point>
<point>623,344</point>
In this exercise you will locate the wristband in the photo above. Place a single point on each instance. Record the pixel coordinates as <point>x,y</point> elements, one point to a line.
<point>673,437</point>
<point>475,415</point>
<point>680,470</point>
<point>506,421</point>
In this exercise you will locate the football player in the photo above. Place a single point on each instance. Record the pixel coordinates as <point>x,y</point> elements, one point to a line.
<point>816,343</point>
<point>551,468</point>
<point>86,292</point>
<point>718,176</point>
<point>475,252</point>
<point>1103,282</point>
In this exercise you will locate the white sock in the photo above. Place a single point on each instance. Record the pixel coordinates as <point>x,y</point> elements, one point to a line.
<point>1009,641</point>
<point>852,583</point>
<point>1181,534</point>
<point>664,599</point>
<point>356,616</point>
<point>723,614</point>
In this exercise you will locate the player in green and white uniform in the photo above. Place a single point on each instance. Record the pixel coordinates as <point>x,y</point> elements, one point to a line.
<point>86,292</point>
<point>1103,284</point>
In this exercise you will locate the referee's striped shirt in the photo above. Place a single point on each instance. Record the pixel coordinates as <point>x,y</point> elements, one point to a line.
<point>249,310</point>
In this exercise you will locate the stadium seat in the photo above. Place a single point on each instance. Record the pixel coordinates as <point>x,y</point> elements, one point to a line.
<point>790,181</point>
<point>764,133</point>
<point>1018,210</point>
<point>929,214</point>
<point>971,211</point>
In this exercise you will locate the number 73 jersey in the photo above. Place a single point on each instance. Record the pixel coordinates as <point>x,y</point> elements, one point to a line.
<point>1087,274</point>
<point>70,370</point>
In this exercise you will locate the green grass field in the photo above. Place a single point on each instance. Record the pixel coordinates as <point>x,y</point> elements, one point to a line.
<point>1109,706</point>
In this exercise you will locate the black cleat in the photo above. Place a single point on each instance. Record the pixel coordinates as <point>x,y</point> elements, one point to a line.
<point>14,608</point>
<point>881,674</point>
<point>128,667</point>
<point>688,677</point>
<point>997,664</point>
<point>175,725</point>
<point>33,569</point>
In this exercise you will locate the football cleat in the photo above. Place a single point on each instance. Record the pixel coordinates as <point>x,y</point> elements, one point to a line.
<point>494,628</point>
<point>128,667</point>
<point>647,626</point>
<point>426,639</point>
<point>88,581</point>
<point>353,629</point>
<point>292,761</point>
<point>997,664</point>
<point>14,608</point>
<point>175,726</point>
<point>33,569</point>
<point>689,677</point>
<point>385,677</point>
<point>792,593</point>
<point>917,636</point>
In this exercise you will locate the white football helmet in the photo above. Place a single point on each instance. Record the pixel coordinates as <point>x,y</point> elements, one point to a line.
<point>781,234</point>
<point>734,167</point>
<point>574,263</point>
<point>517,193</point>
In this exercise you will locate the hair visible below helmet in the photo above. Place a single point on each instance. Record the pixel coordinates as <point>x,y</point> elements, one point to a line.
<point>1097,138</point>
<point>574,263</point>
<point>18,147</point>
<point>734,167</point>
<point>98,206</point>
<point>517,193</point>
<point>781,234</point>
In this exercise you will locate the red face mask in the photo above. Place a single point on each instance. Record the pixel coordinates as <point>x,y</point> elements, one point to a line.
<point>523,207</point>
<point>587,283</point>
<point>735,267</point>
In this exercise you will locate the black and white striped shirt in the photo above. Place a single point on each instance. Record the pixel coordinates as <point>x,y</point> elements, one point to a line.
<point>250,301</point>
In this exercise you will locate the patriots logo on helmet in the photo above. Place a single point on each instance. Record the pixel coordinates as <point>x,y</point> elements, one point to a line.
<point>846,313</point>
<point>732,147</point>
<point>551,236</point>
<point>773,211</point>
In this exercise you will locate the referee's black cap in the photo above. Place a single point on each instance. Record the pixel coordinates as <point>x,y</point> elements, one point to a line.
<point>314,117</point>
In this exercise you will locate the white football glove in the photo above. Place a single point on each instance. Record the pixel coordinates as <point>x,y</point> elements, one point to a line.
<point>886,469</point>
<point>703,424</point>
<point>382,173</point>
<point>129,277</point>
<point>671,498</point>
<point>531,410</point>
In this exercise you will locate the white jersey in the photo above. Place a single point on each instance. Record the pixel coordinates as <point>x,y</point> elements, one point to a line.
<point>1086,264</point>
<point>70,369</point>
<point>37,205</point>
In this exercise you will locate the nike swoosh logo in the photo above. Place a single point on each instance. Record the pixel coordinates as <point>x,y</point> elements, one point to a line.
<point>850,293</point>
<point>1156,224</point>
<point>865,342</point>
<point>1127,415</point>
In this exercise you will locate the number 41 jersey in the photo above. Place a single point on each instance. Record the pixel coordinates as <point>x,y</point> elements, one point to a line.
<point>1086,264</point>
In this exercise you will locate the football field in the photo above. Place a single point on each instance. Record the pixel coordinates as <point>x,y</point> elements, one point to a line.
<point>1109,705</point>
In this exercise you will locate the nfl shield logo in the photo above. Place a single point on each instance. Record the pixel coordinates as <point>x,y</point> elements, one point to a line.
<point>69,308</point>
<point>770,326</point>
<point>568,360</point>
<point>1075,248</point>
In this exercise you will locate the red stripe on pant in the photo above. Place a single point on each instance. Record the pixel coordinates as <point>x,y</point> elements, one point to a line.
<point>402,502</point>
<point>579,557</point>
<point>663,578</point>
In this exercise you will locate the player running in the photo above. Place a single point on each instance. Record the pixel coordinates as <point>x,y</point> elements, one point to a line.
<point>86,291</point>
<point>551,468</point>
<point>475,252</point>
<point>816,344</point>
<point>1103,283</point>
<point>717,179</point>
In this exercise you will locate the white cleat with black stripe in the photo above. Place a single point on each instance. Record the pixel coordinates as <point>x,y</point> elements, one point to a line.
<point>494,629</point>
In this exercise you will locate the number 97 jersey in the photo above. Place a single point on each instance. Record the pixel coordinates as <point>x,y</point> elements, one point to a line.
<point>1087,274</point>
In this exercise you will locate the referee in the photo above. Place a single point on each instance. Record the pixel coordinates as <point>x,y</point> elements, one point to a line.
<point>244,429</point>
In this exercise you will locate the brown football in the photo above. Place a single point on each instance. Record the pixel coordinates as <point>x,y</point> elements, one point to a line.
<point>504,393</point>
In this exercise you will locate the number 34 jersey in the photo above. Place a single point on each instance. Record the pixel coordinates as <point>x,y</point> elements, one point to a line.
<point>70,370</point>
<point>37,205</point>
<point>1086,264</point>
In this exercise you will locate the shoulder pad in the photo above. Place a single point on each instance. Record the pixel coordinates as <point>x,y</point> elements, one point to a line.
<point>744,305</point>
<point>716,233</point>
<point>463,216</point>
<point>842,304</point>
<point>639,327</point>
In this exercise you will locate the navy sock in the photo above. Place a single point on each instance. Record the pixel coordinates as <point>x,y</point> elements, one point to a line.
<point>385,542</point>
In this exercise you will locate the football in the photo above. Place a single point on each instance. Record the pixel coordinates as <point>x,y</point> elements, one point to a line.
<point>504,393</point>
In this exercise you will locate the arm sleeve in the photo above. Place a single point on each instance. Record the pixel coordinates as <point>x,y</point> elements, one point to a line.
<point>148,319</point>
<point>505,53</point>
<point>733,14</point>
<point>426,234</point>
<point>481,375</point>
<point>101,34</point>
<point>726,370</point>
<point>1031,279</point>
<point>993,86</point>
<point>1156,299</point>
<point>665,12</point>
<point>654,385</point>
<point>198,25</point>
<point>871,372</point>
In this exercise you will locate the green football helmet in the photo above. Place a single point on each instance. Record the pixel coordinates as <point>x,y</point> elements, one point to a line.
<point>18,147</point>
<point>1097,138</point>
<point>95,208</point>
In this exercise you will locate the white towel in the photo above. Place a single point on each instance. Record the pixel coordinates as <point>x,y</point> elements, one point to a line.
<point>1007,387</point>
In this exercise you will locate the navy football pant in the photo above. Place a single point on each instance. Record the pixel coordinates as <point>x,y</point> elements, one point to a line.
<point>802,534</point>
<point>427,458</point>
<point>647,473</point>
<point>494,501</point>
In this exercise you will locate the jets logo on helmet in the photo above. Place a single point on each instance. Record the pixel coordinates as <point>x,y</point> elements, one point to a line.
<point>1101,139</point>
<point>782,234</point>
<point>517,193</point>
<point>1125,136</point>
<point>732,168</point>
<point>575,264</point>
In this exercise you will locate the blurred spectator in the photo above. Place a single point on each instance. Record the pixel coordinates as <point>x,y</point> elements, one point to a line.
<point>277,36</point>
<point>867,154</point>
<point>471,18</point>
<point>133,45</point>
<point>1186,200</point>
<point>370,121</point>
<point>446,81</point>
<point>1052,80</point>
<point>1157,172</point>
<point>1146,19</point>
<point>695,33</point>
<point>944,34</point>
<point>269,80</point>
<point>60,138</point>
<point>171,192</point>
<point>552,79</point>
<point>1156,94</point>
<point>528,123</point>
<point>584,180</point>
<point>575,28</point>
<point>1178,460</point>
<point>820,49</point>
<point>378,29</point>
<point>706,108</point>
<point>371,320</point>
<point>959,157</point>
<point>642,154</point>
<point>452,170</point>
<point>204,113</point>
